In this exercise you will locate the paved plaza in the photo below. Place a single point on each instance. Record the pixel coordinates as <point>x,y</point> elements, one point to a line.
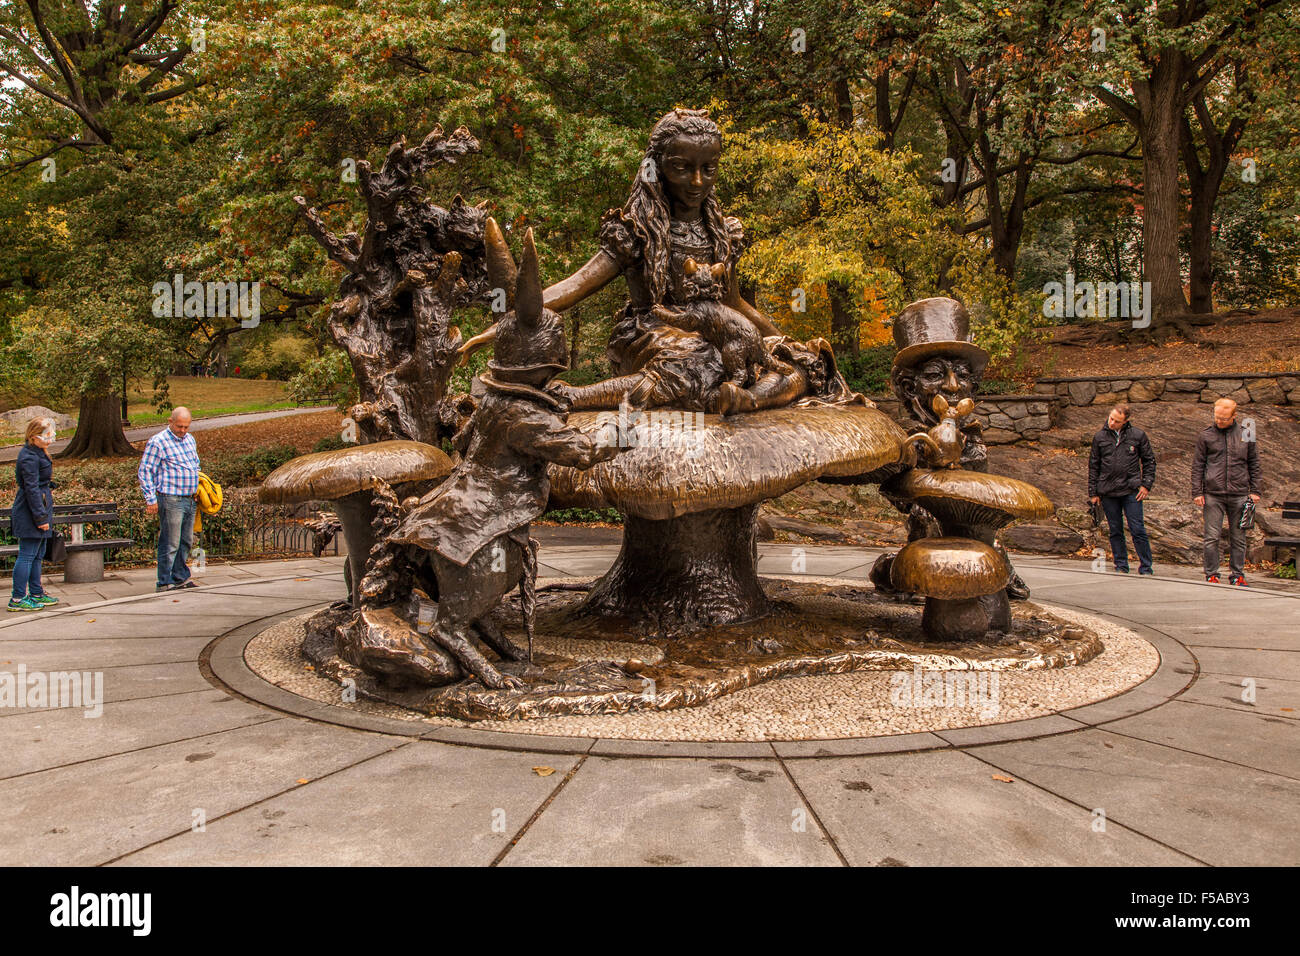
<point>195,760</point>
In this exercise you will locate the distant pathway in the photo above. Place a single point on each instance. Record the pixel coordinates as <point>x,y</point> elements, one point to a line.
<point>10,452</point>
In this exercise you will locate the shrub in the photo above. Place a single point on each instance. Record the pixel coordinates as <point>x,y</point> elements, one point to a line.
<point>252,468</point>
<point>329,443</point>
<point>868,371</point>
<point>583,516</point>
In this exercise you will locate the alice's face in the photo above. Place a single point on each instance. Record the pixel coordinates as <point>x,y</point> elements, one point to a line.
<point>689,167</point>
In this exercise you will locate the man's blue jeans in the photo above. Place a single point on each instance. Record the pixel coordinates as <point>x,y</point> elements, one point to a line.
<point>27,569</point>
<point>1118,508</point>
<point>175,538</point>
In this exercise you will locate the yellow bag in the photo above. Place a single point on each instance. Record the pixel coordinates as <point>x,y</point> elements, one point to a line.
<point>209,495</point>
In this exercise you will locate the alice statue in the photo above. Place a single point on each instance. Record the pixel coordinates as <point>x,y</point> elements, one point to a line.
<point>671,222</point>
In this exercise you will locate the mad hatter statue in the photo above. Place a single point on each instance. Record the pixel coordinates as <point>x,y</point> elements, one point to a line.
<point>937,360</point>
<point>936,357</point>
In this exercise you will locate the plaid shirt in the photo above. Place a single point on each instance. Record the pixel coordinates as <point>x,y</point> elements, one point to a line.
<point>170,466</point>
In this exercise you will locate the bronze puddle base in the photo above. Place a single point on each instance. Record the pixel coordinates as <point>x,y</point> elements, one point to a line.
<point>581,662</point>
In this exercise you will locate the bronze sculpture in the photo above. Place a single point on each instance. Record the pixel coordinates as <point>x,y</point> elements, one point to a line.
<point>474,526</point>
<point>936,358</point>
<point>748,414</point>
<point>672,215</point>
<point>935,376</point>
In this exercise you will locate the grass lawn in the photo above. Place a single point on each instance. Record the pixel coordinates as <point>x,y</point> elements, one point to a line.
<point>204,397</point>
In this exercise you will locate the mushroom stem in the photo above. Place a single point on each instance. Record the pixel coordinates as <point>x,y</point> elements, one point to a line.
<point>960,620</point>
<point>356,512</point>
<point>680,574</point>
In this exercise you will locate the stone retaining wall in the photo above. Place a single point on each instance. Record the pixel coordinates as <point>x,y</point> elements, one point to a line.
<point>1244,388</point>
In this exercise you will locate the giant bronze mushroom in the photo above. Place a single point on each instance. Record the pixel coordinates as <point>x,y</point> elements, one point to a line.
<point>971,504</point>
<point>689,489</point>
<point>348,478</point>
<point>954,574</point>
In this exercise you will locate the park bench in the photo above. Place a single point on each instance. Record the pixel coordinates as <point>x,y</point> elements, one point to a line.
<point>1290,512</point>
<point>85,561</point>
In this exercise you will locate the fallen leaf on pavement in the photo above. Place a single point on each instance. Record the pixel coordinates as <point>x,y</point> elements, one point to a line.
<point>303,780</point>
<point>998,776</point>
<point>543,771</point>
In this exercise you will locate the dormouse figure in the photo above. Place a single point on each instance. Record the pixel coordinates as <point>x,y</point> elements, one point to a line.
<point>944,443</point>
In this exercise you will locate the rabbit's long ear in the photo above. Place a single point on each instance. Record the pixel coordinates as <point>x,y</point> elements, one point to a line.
<point>528,288</point>
<point>500,263</point>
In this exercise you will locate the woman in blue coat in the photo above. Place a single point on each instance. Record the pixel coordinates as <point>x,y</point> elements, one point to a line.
<point>32,514</point>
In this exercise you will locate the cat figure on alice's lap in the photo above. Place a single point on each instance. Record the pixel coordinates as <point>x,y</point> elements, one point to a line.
<point>739,343</point>
<point>474,526</point>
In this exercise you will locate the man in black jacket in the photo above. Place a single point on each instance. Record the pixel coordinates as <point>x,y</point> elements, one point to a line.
<point>1121,471</point>
<point>1226,473</point>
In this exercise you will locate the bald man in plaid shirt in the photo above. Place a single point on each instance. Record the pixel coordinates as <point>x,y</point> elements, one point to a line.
<point>169,478</point>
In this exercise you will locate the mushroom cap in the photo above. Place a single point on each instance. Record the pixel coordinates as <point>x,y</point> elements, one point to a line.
<point>964,500</point>
<point>679,463</point>
<point>949,568</point>
<point>330,475</point>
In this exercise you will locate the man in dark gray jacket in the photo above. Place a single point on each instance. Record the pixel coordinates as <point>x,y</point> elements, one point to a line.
<point>1226,473</point>
<point>1121,471</point>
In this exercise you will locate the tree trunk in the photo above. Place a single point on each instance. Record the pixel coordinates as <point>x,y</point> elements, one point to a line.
<point>1160,208</point>
<point>99,430</point>
<point>844,321</point>
<point>1201,269</point>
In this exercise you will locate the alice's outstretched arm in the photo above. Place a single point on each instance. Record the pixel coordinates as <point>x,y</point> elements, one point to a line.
<point>737,302</point>
<point>598,272</point>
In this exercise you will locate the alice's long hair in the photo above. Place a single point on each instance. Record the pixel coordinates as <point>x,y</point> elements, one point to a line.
<point>648,208</point>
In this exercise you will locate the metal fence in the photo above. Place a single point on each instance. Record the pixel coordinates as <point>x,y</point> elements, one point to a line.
<point>244,530</point>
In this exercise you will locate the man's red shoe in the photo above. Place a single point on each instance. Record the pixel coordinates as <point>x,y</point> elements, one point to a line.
<point>1211,579</point>
<point>1239,580</point>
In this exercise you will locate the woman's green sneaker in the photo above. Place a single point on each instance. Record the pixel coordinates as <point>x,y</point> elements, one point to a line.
<point>44,600</point>
<point>24,604</point>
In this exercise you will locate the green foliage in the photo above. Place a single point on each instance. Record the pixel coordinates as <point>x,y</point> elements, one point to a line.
<point>280,357</point>
<point>329,443</point>
<point>583,516</point>
<point>328,375</point>
<point>251,468</point>
<point>586,374</point>
<point>1286,571</point>
<point>868,371</point>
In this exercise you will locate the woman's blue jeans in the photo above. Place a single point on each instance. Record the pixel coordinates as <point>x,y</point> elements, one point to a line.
<point>27,569</point>
<point>175,537</point>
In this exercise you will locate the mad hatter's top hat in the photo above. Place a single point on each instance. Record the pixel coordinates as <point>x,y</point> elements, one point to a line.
<point>933,327</point>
